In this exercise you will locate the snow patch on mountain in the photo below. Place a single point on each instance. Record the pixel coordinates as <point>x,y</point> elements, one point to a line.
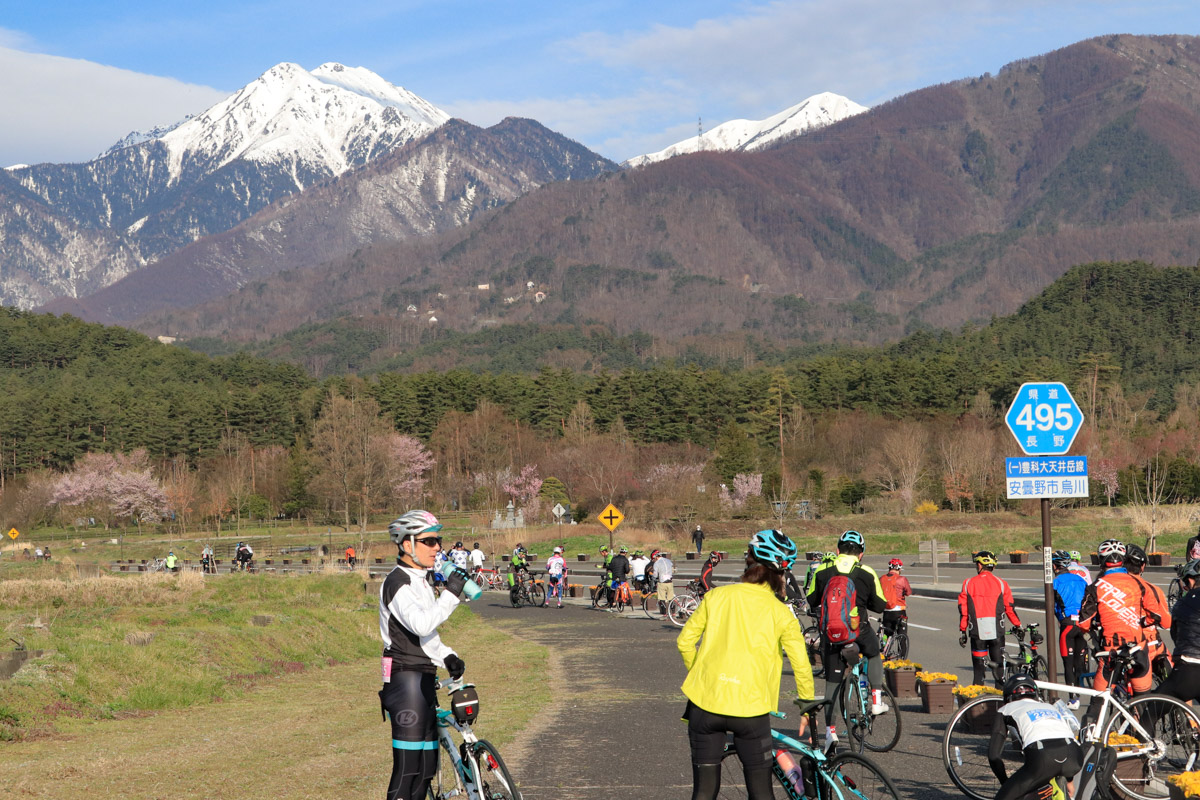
<point>330,120</point>
<point>816,112</point>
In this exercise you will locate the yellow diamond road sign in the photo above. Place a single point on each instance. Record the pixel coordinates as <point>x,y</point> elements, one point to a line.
<point>14,533</point>
<point>611,517</point>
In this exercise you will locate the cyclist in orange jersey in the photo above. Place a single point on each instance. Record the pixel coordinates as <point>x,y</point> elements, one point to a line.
<point>1115,606</point>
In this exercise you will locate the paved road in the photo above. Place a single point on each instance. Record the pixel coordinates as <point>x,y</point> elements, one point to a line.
<point>613,729</point>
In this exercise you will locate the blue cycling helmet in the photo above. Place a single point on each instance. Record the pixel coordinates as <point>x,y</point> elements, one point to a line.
<point>852,537</point>
<point>773,549</point>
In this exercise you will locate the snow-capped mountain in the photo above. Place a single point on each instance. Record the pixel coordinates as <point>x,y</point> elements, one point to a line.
<point>156,191</point>
<point>746,134</point>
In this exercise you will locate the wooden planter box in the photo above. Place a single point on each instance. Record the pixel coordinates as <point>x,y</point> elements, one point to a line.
<point>902,682</point>
<point>813,556</point>
<point>937,698</point>
<point>505,558</point>
<point>268,561</point>
<point>582,556</point>
<point>379,561</point>
<point>1133,769</point>
<point>952,556</point>
<point>981,717</point>
<point>1018,558</point>
<point>1159,559</point>
<point>691,556</point>
<point>1174,792</point>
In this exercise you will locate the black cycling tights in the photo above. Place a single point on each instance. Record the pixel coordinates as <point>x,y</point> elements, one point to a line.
<point>1183,683</point>
<point>410,699</point>
<point>707,734</point>
<point>1061,759</point>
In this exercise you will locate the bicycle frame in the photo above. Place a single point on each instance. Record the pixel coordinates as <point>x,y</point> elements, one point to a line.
<point>466,773</point>
<point>1103,720</point>
<point>824,778</point>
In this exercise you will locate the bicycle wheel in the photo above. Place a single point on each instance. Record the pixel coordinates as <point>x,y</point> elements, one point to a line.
<point>650,606</point>
<point>733,779</point>
<point>876,733</point>
<point>965,749</point>
<point>1172,748</point>
<point>600,597</point>
<point>1174,592</point>
<point>812,642</point>
<point>496,781</point>
<point>515,595</point>
<point>445,783</point>
<point>681,608</point>
<point>860,776</point>
<point>537,594</point>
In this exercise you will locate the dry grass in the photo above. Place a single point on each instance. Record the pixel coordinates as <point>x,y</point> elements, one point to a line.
<point>1165,519</point>
<point>311,735</point>
<point>105,590</point>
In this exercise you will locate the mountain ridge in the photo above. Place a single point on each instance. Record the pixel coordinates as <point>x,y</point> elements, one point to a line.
<point>951,203</point>
<point>810,114</point>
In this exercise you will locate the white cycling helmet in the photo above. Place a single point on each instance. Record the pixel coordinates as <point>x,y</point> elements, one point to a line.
<point>1112,550</point>
<point>558,549</point>
<point>411,524</point>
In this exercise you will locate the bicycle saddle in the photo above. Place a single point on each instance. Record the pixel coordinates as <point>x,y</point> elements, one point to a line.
<point>808,706</point>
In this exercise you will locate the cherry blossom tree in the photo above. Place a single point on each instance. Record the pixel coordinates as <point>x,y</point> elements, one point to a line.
<point>524,489</point>
<point>408,462</point>
<point>114,487</point>
<point>745,486</point>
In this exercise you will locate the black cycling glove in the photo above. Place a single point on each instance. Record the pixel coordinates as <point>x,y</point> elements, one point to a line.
<point>962,639</point>
<point>455,666</point>
<point>456,579</point>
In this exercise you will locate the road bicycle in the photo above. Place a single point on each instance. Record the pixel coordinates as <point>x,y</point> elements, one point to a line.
<point>685,602</point>
<point>1027,660</point>
<point>157,565</point>
<point>488,578</point>
<point>847,776</point>
<point>470,768</point>
<point>1155,737</point>
<point>894,646</point>
<point>876,732</point>
<point>651,607</point>
<point>526,590</point>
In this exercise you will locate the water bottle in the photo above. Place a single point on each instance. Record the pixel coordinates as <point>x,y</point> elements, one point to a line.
<point>793,776</point>
<point>1068,716</point>
<point>471,590</point>
<point>864,688</point>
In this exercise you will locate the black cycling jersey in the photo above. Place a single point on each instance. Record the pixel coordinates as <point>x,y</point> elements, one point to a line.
<point>1185,625</point>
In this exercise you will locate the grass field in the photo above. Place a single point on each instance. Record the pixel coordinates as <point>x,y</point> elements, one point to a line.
<point>119,647</point>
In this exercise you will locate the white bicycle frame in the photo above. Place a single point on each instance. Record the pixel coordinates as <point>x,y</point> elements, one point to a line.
<point>1102,721</point>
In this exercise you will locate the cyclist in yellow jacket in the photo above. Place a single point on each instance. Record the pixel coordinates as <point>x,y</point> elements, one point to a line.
<point>733,677</point>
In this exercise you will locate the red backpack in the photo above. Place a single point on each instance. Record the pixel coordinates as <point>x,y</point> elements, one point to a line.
<point>837,603</point>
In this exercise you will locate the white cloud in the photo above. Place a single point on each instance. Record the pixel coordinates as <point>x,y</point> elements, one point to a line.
<point>64,109</point>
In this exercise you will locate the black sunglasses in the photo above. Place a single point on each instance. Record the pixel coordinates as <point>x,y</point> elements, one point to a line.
<point>429,541</point>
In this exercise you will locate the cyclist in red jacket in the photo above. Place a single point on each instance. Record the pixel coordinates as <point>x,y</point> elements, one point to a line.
<point>896,591</point>
<point>982,603</point>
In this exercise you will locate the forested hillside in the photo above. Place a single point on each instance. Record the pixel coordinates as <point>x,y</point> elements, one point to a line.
<point>1121,335</point>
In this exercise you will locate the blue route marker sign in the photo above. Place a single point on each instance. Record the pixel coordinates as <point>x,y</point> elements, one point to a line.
<point>1044,419</point>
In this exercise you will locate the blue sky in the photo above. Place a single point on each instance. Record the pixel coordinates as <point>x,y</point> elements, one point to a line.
<point>622,77</point>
